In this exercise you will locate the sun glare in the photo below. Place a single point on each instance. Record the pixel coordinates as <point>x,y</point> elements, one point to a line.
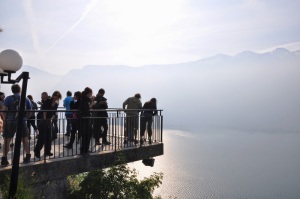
<point>142,17</point>
<point>145,24</point>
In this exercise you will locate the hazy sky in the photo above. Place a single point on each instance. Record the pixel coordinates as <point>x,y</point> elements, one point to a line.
<point>57,36</point>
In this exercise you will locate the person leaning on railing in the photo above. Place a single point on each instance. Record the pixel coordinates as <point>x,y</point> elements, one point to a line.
<point>146,119</point>
<point>132,117</point>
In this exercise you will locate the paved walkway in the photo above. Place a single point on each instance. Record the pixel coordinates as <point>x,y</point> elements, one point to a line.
<point>60,152</point>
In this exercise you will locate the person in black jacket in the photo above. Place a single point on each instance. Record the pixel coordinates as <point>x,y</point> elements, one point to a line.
<point>74,105</point>
<point>100,119</point>
<point>146,119</point>
<point>48,108</point>
<point>87,101</point>
<point>39,116</point>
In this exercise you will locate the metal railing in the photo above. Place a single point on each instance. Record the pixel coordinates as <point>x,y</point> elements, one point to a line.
<point>123,131</point>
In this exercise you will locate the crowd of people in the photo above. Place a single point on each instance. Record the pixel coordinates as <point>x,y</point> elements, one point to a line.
<point>81,120</point>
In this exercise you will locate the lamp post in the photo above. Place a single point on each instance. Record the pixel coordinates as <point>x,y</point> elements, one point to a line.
<point>10,62</point>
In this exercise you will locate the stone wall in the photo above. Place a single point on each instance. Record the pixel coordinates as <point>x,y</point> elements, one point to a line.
<point>50,180</point>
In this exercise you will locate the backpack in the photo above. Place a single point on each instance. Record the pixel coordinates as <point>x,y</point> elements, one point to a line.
<point>33,105</point>
<point>15,106</point>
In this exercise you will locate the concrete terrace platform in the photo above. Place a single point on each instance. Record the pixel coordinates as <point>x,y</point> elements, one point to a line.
<point>48,176</point>
<point>52,168</point>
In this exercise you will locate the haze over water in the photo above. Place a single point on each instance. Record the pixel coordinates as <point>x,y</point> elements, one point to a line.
<point>222,163</point>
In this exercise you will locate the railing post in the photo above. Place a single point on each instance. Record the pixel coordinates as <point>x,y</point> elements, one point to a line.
<point>115,132</point>
<point>16,160</point>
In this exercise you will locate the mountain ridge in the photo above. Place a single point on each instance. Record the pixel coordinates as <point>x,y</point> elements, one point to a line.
<point>278,52</point>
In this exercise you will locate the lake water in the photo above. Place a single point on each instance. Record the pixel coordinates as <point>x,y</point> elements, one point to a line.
<point>230,164</point>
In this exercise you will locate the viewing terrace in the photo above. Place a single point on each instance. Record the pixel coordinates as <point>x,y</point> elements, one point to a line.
<point>47,174</point>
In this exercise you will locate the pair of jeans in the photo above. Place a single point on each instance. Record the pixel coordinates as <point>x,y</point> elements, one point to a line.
<point>85,132</point>
<point>98,124</point>
<point>146,120</point>
<point>69,118</point>
<point>44,136</point>
<point>131,126</point>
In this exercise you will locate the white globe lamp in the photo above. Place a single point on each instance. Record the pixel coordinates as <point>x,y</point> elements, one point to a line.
<point>10,61</point>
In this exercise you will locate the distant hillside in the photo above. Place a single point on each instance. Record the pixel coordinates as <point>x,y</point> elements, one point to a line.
<point>39,81</point>
<point>248,91</point>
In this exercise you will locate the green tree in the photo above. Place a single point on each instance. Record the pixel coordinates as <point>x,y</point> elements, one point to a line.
<point>23,191</point>
<point>116,182</point>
